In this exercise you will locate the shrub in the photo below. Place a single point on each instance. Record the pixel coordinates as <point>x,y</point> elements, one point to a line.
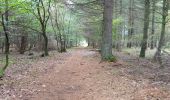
<point>111,58</point>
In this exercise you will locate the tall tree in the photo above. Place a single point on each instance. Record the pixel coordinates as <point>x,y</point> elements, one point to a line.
<point>153,23</point>
<point>165,8</point>
<point>43,15</point>
<point>106,50</point>
<point>130,23</point>
<point>145,29</point>
<point>5,21</point>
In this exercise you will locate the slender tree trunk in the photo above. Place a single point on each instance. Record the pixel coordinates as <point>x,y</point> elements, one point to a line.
<point>63,44</point>
<point>43,18</point>
<point>5,28</point>
<point>2,47</point>
<point>61,38</point>
<point>119,29</point>
<point>23,44</point>
<point>121,26</point>
<point>153,23</point>
<point>131,23</point>
<point>45,42</point>
<point>76,40</point>
<point>106,50</point>
<point>145,29</point>
<point>165,8</point>
<point>88,42</point>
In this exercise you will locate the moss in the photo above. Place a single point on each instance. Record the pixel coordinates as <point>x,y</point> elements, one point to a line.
<point>111,59</point>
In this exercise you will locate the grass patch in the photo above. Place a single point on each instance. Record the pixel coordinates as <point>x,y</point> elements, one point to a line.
<point>3,61</point>
<point>2,64</point>
<point>136,51</point>
<point>1,72</point>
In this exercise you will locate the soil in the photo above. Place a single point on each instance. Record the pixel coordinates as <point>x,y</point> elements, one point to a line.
<point>79,74</point>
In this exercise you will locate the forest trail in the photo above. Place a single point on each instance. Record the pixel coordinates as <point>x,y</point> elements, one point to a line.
<point>79,74</point>
<point>79,77</point>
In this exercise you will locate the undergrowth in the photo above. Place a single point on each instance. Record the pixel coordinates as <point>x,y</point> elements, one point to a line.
<point>111,58</point>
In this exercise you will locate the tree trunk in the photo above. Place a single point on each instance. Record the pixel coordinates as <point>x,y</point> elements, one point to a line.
<point>157,56</point>
<point>45,42</point>
<point>2,47</point>
<point>76,40</point>
<point>145,29</point>
<point>63,46</point>
<point>120,29</point>
<point>43,19</point>
<point>131,24</point>
<point>23,44</point>
<point>153,23</point>
<point>88,42</point>
<point>106,48</point>
<point>5,28</point>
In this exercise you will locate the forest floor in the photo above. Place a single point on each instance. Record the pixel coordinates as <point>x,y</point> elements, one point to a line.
<point>79,74</point>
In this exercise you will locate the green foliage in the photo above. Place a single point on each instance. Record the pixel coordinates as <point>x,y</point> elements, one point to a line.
<point>2,62</point>
<point>11,61</point>
<point>111,58</point>
<point>1,72</point>
<point>1,39</point>
<point>116,22</point>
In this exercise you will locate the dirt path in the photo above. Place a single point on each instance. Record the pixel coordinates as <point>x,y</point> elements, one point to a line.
<point>79,75</point>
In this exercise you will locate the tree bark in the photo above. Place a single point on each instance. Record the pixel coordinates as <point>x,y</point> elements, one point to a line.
<point>45,41</point>
<point>106,48</point>
<point>23,44</point>
<point>43,18</point>
<point>153,23</point>
<point>131,23</point>
<point>145,29</point>
<point>119,29</point>
<point>5,28</point>
<point>165,8</point>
